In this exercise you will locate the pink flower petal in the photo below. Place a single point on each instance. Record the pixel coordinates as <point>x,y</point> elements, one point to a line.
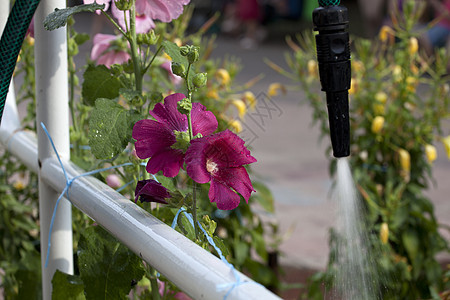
<point>168,113</point>
<point>225,198</point>
<point>151,137</point>
<point>168,160</point>
<point>227,150</point>
<point>203,121</point>
<point>196,162</point>
<point>101,44</point>
<point>163,10</point>
<point>144,23</point>
<point>236,178</point>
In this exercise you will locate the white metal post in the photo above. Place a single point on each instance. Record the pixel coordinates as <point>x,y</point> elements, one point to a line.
<point>52,110</point>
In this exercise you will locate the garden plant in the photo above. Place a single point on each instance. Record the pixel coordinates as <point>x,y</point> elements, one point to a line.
<point>399,101</point>
<point>164,118</point>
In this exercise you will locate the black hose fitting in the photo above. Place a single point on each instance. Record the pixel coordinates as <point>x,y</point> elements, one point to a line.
<point>333,56</point>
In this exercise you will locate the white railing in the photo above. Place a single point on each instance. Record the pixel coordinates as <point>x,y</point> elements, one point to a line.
<point>195,271</point>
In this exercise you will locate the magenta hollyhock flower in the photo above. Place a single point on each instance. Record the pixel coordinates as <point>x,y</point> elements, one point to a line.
<point>144,23</point>
<point>102,52</point>
<point>155,138</point>
<point>151,191</point>
<point>219,159</point>
<point>106,2</point>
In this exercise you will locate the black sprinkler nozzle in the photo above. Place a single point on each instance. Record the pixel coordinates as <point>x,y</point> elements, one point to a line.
<point>333,56</point>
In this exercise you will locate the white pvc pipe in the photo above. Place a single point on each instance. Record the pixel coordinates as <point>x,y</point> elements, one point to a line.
<point>194,270</point>
<point>52,110</point>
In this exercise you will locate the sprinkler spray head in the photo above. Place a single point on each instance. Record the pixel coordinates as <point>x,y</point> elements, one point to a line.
<point>333,55</point>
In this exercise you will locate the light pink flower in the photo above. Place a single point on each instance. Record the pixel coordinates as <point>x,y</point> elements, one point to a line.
<point>143,22</point>
<point>163,10</point>
<point>102,52</point>
<point>106,2</point>
<point>114,181</point>
<point>149,10</point>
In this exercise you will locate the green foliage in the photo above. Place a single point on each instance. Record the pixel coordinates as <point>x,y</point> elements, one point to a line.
<point>67,286</point>
<point>107,268</point>
<point>110,128</point>
<point>100,82</point>
<point>59,17</point>
<point>399,100</point>
<point>103,117</point>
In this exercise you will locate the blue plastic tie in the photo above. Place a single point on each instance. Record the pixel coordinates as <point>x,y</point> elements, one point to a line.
<point>220,287</point>
<point>67,187</point>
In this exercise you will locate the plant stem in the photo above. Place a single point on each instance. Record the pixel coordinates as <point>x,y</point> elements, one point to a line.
<point>134,49</point>
<point>154,283</point>
<point>191,137</point>
<point>194,207</point>
<point>116,25</point>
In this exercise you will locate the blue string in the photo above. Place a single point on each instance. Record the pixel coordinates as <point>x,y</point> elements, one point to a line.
<point>67,187</point>
<point>220,287</point>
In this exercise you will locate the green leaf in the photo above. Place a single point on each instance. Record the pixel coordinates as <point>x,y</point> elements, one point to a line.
<point>110,128</point>
<point>174,52</point>
<point>67,286</point>
<point>59,17</point>
<point>264,196</point>
<point>99,82</point>
<point>411,242</point>
<point>107,268</point>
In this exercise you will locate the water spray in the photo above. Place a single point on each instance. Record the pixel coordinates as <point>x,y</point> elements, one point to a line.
<point>333,56</point>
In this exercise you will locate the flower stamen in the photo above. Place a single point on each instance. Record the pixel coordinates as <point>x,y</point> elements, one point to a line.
<point>211,166</point>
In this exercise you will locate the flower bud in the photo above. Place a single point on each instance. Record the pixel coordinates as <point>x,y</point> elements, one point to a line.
<point>405,163</point>
<point>200,80</point>
<point>223,76</point>
<point>184,50</point>
<point>397,73</point>
<point>235,126</point>
<point>413,46</point>
<point>213,94</point>
<point>193,55</point>
<point>114,181</point>
<point>19,185</point>
<point>250,98</point>
<point>430,152</point>
<point>123,5</point>
<point>381,97</point>
<point>312,68</point>
<point>241,107</point>
<point>377,124</point>
<point>184,106</point>
<point>411,83</point>
<point>386,33</point>
<point>274,88</point>
<point>178,69</point>
<point>446,142</point>
<point>147,38</point>
<point>384,233</point>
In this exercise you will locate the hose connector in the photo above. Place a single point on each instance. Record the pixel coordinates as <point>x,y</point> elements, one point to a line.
<point>333,55</point>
